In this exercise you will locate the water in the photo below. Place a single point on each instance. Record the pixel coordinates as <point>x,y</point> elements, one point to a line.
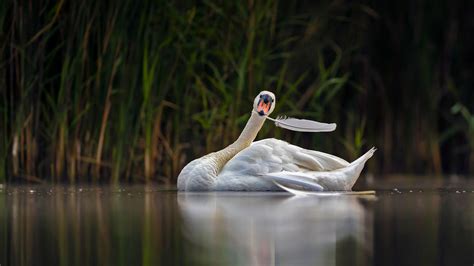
<point>404,224</point>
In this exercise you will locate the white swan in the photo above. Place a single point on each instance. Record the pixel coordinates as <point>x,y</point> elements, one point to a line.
<point>244,165</point>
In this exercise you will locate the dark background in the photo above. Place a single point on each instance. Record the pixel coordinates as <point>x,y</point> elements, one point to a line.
<point>132,91</point>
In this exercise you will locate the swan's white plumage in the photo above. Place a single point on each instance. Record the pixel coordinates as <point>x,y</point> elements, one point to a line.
<point>256,167</point>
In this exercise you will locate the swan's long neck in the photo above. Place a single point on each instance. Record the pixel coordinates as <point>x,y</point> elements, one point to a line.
<point>248,135</point>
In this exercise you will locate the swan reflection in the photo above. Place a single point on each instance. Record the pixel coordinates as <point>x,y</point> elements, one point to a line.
<point>275,228</point>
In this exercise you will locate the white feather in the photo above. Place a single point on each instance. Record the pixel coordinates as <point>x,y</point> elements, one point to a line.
<point>302,125</point>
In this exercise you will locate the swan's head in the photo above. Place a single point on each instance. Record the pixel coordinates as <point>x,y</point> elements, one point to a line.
<point>264,103</point>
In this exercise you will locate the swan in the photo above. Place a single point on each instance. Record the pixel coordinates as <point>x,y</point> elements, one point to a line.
<point>271,164</point>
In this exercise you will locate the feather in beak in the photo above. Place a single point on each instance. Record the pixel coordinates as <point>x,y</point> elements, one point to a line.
<point>302,125</point>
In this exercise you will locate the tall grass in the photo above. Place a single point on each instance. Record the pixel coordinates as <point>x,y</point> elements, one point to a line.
<point>121,91</point>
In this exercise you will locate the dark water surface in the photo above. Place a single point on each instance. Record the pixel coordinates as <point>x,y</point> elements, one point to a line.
<point>408,223</point>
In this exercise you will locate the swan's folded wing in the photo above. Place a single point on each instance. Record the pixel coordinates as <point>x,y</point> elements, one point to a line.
<point>273,155</point>
<point>303,158</point>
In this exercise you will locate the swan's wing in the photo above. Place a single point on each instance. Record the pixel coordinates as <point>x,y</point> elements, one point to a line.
<point>244,171</point>
<point>303,158</point>
<point>339,179</point>
<point>273,155</point>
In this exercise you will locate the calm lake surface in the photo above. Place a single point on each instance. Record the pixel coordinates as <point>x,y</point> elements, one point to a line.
<point>406,223</point>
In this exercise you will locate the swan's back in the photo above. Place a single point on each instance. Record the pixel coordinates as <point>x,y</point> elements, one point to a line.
<point>244,171</point>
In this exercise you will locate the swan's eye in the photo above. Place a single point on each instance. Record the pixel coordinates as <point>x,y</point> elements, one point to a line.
<point>273,100</point>
<point>260,96</point>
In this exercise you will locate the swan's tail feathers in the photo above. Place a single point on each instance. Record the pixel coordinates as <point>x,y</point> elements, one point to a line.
<point>355,168</point>
<point>303,180</point>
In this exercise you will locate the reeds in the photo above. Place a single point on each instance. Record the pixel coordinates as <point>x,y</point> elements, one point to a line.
<point>121,91</point>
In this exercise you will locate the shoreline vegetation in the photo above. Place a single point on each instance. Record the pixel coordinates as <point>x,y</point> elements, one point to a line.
<point>121,91</point>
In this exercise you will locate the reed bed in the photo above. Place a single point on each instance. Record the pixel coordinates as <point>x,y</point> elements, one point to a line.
<point>130,92</point>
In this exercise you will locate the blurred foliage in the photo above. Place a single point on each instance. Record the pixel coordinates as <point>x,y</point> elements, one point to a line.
<point>127,91</point>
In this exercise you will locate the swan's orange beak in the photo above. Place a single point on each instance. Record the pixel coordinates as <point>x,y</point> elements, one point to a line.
<point>264,105</point>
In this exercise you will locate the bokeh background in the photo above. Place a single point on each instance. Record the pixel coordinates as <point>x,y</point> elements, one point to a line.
<point>131,91</point>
